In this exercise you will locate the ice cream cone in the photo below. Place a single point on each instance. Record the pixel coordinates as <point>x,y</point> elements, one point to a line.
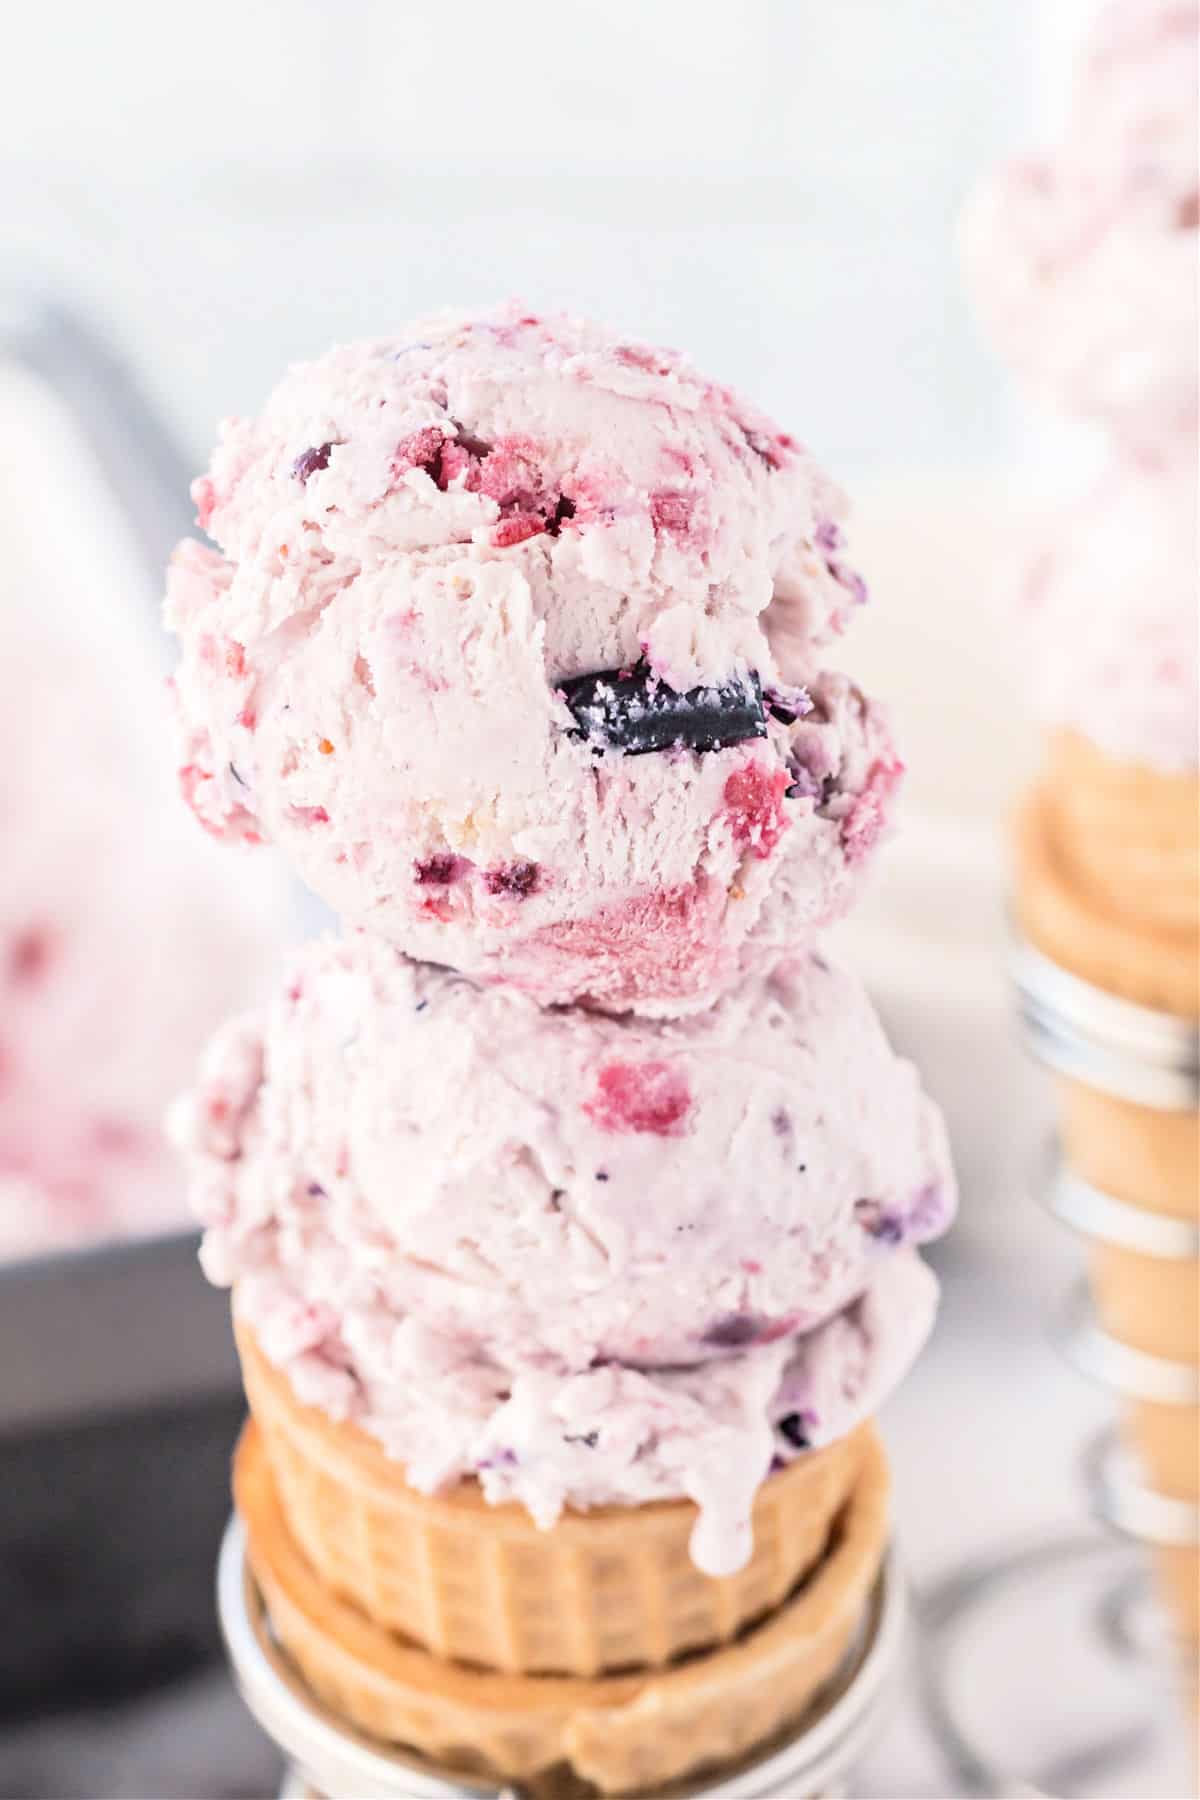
<point>614,1588</point>
<point>1150,1302</point>
<point>619,1731</point>
<point>1139,1154</point>
<point>1128,836</point>
<point>1131,953</point>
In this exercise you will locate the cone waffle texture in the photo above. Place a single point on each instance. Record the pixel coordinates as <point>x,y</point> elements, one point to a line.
<point>623,1732</point>
<point>1121,952</point>
<point>1128,836</point>
<point>1138,1154</point>
<point>1149,1302</point>
<point>614,1588</point>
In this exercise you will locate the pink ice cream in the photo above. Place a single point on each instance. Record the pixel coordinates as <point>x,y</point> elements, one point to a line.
<point>586,1259</point>
<point>122,941</point>
<point>1111,615</point>
<point>515,643</point>
<point>1084,260</point>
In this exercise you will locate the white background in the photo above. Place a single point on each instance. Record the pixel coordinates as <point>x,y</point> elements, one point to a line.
<point>772,184</point>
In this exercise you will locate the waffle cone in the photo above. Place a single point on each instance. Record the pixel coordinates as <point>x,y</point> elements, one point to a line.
<point>614,1588</point>
<point>621,1732</point>
<point>1128,836</point>
<point>1126,953</point>
<point>1146,1157</point>
<point>1166,1443</point>
<point>1149,1302</point>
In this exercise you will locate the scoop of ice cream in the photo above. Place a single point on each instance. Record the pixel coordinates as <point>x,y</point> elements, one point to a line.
<point>514,632</point>
<point>1111,614</point>
<point>575,1255</point>
<point>1083,260</point>
<point>121,941</point>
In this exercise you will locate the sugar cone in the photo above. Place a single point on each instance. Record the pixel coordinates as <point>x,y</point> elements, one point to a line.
<point>1136,1153</point>
<point>1107,878</point>
<point>620,1732</point>
<point>1128,836</point>
<point>614,1588</point>
<point>1151,1302</point>
<point>1123,952</point>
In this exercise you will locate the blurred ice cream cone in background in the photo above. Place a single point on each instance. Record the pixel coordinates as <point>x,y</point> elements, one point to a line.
<point>1085,268</point>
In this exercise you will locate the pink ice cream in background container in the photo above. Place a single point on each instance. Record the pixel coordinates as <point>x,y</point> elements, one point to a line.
<point>517,643</point>
<point>122,941</point>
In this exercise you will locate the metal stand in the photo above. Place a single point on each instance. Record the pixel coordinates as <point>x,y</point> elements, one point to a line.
<point>1099,1693</point>
<point>331,1761</point>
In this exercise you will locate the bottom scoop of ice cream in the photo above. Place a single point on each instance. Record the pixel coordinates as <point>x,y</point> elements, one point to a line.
<point>586,1259</point>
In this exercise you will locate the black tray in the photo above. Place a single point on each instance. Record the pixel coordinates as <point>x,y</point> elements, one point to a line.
<point>119,1404</point>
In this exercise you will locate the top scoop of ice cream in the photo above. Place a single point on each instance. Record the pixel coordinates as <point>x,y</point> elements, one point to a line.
<point>1084,260</point>
<point>514,644</point>
<point>612,1249</point>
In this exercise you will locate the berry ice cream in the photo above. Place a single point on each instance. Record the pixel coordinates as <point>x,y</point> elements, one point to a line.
<point>1084,260</point>
<point>121,941</point>
<point>1111,617</point>
<point>583,1258</point>
<point>515,643</point>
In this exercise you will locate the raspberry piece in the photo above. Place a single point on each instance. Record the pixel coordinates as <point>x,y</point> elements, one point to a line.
<point>754,801</point>
<point>641,1097</point>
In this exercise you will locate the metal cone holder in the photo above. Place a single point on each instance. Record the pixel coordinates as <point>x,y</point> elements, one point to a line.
<point>1149,1060</point>
<point>329,1760</point>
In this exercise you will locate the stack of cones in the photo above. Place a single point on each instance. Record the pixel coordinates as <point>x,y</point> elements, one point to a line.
<point>461,1630</point>
<point>1145,1156</point>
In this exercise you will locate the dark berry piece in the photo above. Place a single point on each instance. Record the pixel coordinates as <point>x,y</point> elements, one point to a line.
<point>310,460</point>
<point>440,870</point>
<point>794,1427</point>
<point>564,509</point>
<point>315,1191</point>
<point>788,704</point>
<point>466,440</point>
<point>634,711</point>
<point>880,1222</point>
<point>601,1174</point>
<point>519,879</point>
<point>589,1440</point>
<point>734,1331</point>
